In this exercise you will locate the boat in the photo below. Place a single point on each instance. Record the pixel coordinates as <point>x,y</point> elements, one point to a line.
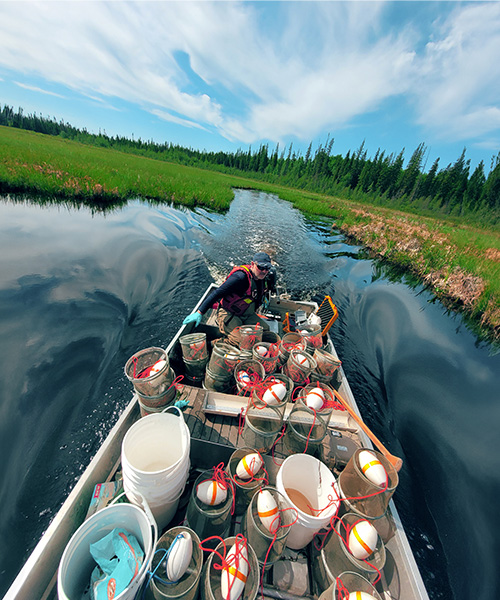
<point>213,421</point>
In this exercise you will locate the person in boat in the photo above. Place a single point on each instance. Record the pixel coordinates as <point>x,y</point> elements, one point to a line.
<point>245,289</point>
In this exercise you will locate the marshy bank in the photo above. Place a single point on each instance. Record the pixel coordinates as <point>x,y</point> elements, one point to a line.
<point>460,263</point>
<point>437,259</point>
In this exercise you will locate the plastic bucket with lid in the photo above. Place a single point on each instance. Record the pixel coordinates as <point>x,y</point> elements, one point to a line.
<point>77,563</point>
<point>155,462</point>
<point>311,488</point>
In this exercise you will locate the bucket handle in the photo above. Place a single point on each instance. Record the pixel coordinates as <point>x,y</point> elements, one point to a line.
<point>176,408</point>
<point>152,521</point>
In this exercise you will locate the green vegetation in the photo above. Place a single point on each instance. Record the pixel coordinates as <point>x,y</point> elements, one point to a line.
<point>41,164</point>
<point>382,180</point>
<point>460,262</point>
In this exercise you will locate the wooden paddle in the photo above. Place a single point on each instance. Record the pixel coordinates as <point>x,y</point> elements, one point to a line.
<point>395,461</point>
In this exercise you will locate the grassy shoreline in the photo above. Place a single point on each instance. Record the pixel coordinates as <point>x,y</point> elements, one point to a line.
<point>458,262</point>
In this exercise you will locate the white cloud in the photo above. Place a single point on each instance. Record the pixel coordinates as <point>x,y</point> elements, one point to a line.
<point>165,116</point>
<point>122,50</point>
<point>320,71</point>
<point>266,70</point>
<point>457,89</point>
<point>34,88</point>
<point>488,143</point>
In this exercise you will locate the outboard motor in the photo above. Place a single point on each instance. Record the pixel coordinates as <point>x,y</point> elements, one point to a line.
<point>272,277</point>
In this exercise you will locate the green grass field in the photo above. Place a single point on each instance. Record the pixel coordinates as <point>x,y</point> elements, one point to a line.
<point>461,263</point>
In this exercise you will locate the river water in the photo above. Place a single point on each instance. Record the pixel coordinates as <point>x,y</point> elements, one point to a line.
<point>81,292</point>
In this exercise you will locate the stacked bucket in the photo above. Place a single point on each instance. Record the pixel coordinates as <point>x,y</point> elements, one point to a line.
<point>155,467</point>
<point>220,367</point>
<point>194,356</point>
<point>155,462</point>
<point>153,379</point>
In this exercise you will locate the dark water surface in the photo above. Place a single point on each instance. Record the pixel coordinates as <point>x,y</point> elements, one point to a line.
<point>81,293</point>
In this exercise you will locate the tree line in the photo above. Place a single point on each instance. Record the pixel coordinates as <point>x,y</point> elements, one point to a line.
<point>383,179</point>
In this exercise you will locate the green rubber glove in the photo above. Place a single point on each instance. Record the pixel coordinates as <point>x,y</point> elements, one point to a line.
<point>192,318</point>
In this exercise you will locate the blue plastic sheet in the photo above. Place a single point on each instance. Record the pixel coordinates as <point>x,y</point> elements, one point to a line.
<point>119,557</point>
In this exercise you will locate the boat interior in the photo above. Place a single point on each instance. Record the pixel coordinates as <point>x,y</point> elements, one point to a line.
<point>214,420</point>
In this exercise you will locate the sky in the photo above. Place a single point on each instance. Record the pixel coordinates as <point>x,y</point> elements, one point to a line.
<point>215,75</point>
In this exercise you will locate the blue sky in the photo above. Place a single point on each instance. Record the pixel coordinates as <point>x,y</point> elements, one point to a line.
<point>226,75</point>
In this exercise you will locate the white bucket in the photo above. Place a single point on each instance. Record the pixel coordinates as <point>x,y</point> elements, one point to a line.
<point>155,462</point>
<point>312,478</point>
<point>77,563</point>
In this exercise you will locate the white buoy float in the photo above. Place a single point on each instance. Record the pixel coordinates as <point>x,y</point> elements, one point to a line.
<point>315,398</point>
<point>179,556</point>
<point>249,465</point>
<point>235,572</point>
<point>157,367</point>
<point>372,468</point>
<point>302,360</point>
<point>211,492</point>
<point>261,350</point>
<point>268,511</point>
<point>274,393</point>
<point>244,378</point>
<point>363,539</point>
<point>360,596</point>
